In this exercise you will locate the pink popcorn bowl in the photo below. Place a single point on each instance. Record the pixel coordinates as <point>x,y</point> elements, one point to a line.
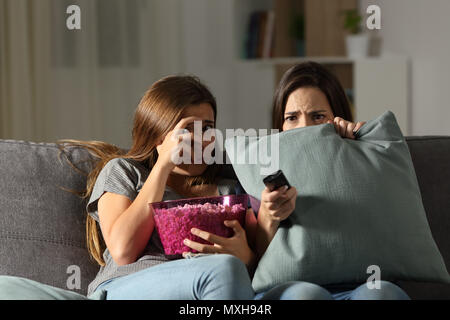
<point>175,218</point>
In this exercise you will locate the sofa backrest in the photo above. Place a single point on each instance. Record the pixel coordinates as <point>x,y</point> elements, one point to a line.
<point>431,158</point>
<point>42,226</point>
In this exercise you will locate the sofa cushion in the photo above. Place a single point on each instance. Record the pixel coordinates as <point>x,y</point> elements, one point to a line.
<point>42,226</point>
<point>359,205</point>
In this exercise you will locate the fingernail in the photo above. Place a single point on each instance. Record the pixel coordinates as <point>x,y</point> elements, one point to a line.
<point>185,241</point>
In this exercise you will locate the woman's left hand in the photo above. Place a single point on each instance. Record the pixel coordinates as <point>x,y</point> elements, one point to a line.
<point>344,128</point>
<point>236,245</point>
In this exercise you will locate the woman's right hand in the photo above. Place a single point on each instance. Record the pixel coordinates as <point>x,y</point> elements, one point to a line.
<point>172,142</point>
<point>277,205</point>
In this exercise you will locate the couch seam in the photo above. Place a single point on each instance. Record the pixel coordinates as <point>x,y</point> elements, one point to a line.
<point>52,145</point>
<point>19,236</point>
<point>31,143</point>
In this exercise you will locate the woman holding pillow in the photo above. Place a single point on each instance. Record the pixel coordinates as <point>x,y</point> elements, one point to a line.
<point>310,95</point>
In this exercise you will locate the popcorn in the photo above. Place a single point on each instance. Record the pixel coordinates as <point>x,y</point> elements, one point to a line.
<point>174,224</point>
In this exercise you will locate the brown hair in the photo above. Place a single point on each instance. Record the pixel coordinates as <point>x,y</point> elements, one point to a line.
<point>158,112</point>
<point>309,74</point>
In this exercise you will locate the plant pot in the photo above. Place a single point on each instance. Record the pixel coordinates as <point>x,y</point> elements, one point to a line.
<point>357,45</point>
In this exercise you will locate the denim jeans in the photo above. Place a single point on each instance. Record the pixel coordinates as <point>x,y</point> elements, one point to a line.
<point>210,277</point>
<point>298,290</point>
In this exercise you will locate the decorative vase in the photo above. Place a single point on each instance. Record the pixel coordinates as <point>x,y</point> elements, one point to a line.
<point>357,45</point>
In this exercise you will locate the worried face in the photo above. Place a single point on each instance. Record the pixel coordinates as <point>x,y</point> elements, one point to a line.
<point>306,106</point>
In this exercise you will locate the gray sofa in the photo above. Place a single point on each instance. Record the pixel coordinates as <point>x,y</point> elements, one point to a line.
<point>42,226</point>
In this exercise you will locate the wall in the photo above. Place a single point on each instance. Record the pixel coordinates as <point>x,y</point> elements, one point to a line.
<point>199,37</point>
<point>210,33</point>
<point>419,29</point>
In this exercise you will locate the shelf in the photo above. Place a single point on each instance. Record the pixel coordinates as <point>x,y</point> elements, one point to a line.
<point>324,32</point>
<point>295,60</point>
<point>323,60</point>
<point>374,83</point>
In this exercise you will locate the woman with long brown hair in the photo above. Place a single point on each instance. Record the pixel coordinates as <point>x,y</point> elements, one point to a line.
<point>121,231</point>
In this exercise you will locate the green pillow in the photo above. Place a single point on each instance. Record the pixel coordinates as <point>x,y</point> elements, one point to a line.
<point>358,205</point>
<point>18,288</point>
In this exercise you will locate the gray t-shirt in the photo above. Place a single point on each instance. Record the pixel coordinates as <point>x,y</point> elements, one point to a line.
<point>126,177</point>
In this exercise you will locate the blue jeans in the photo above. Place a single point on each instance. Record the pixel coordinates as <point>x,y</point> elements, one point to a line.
<point>298,290</point>
<point>211,277</point>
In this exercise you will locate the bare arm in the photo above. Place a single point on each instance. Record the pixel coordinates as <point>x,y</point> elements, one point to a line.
<point>265,232</point>
<point>127,225</point>
<point>251,225</point>
<point>275,207</point>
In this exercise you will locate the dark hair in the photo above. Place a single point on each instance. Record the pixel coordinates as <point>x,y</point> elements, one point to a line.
<point>310,74</point>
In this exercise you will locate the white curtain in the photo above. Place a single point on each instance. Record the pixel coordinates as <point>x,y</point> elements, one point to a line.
<point>83,84</point>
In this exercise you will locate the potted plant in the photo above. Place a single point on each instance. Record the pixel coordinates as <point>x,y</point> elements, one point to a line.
<point>357,42</point>
<point>297,32</point>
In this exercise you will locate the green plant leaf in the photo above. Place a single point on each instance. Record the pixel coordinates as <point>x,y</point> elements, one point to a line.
<point>352,21</point>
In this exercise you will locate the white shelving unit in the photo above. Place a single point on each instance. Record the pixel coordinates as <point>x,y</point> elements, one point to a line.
<point>378,83</point>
